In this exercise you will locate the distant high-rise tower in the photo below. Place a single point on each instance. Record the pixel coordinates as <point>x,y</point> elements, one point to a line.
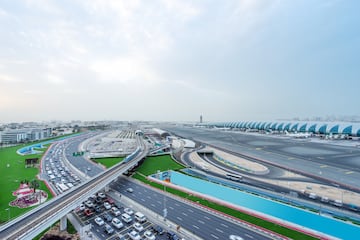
<point>201,120</point>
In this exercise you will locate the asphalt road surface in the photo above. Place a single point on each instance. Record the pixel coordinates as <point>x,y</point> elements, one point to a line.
<point>198,221</point>
<point>338,164</point>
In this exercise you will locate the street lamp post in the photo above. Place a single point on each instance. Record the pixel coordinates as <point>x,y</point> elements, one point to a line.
<point>8,210</point>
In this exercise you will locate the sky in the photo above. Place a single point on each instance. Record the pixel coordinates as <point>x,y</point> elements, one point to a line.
<point>174,60</point>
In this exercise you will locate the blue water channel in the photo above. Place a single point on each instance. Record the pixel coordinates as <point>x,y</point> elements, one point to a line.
<point>278,210</point>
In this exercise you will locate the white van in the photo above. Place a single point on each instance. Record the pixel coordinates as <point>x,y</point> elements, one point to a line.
<point>140,217</point>
<point>126,217</point>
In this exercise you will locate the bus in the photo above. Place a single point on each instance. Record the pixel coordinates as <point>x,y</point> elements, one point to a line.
<point>233,177</point>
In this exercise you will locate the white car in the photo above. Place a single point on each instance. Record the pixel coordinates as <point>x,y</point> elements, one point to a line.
<point>117,223</point>
<point>130,190</point>
<point>129,211</point>
<point>149,235</point>
<point>82,207</point>
<point>138,226</point>
<point>107,205</point>
<point>101,195</point>
<point>99,221</point>
<point>134,235</point>
<point>115,211</point>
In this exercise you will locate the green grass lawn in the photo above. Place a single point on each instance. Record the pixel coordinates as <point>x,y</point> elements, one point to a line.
<point>163,163</point>
<point>10,178</point>
<point>108,162</point>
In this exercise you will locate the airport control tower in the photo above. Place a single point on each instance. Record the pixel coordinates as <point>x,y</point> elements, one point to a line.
<point>201,119</point>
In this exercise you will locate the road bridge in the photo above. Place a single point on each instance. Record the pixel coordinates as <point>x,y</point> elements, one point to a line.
<point>37,220</point>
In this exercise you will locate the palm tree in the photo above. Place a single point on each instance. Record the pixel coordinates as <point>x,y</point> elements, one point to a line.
<point>34,184</point>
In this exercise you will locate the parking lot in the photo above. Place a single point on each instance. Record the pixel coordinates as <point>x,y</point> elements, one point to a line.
<point>111,220</point>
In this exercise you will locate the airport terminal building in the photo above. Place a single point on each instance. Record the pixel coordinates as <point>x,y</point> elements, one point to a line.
<point>320,128</point>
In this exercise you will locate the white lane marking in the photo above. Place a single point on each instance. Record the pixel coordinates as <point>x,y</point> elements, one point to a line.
<point>148,197</point>
<point>176,204</point>
<point>159,202</point>
<point>224,225</point>
<point>184,214</point>
<point>201,222</point>
<point>143,200</point>
<point>219,230</point>
<point>153,205</point>
<point>196,227</point>
<point>249,236</point>
<point>214,236</point>
<point>190,210</point>
<point>179,218</point>
<point>171,208</point>
<point>206,217</point>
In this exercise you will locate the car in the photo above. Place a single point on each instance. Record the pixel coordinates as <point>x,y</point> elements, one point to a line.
<point>108,229</point>
<point>99,221</point>
<point>98,209</point>
<point>107,205</point>
<point>82,207</point>
<point>88,212</point>
<point>235,237</point>
<point>149,235</point>
<point>110,200</point>
<point>89,204</point>
<point>129,211</point>
<point>172,236</point>
<point>138,227</point>
<point>101,195</point>
<point>120,237</point>
<point>126,218</point>
<point>159,230</point>
<point>89,169</point>
<point>130,190</point>
<point>107,217</point>
<point>134,235</point>
<point>117,223</point>
<point>115,211</point>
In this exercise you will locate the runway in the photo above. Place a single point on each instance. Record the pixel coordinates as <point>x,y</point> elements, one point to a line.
<point>340,165</point>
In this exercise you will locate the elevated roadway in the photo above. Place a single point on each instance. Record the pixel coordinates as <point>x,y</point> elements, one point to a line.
<point>37,220</point>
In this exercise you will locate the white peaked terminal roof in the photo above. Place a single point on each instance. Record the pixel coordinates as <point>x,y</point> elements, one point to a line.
<point>344,128</point>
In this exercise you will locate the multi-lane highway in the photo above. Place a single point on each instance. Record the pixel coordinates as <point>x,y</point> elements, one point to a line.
<point>35,221</point>
<point>203,224</point>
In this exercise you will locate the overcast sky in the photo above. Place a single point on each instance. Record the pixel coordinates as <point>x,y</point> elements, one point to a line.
<point>228,60</point>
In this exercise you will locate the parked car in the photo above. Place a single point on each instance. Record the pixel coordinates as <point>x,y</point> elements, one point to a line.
<point>149,235</point>
<point>88,212</point>
<point>134,235</point>
<point>159,230</point>
<point>102,195</point>
<point>107,217</point>
<point>117,223</point>
<point>107,205</point>
<point>126,218</point>
<point>138,227</point>
<point>129,211</point>
<point>97,209</point>
<point>109,230</point>
<point>99,221</point>
<point>115,211</point>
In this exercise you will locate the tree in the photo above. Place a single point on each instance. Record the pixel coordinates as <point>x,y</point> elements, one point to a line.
<point>34,184</point>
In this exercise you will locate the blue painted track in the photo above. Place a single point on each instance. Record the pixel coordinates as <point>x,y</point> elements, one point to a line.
<point>326,225</point>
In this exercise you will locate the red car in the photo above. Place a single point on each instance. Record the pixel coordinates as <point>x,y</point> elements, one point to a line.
<point>88,212</point>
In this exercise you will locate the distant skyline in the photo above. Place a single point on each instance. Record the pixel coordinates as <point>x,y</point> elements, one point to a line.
<point>176,60</point>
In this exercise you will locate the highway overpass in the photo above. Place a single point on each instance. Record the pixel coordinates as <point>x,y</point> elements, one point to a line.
<point>37,220</point>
